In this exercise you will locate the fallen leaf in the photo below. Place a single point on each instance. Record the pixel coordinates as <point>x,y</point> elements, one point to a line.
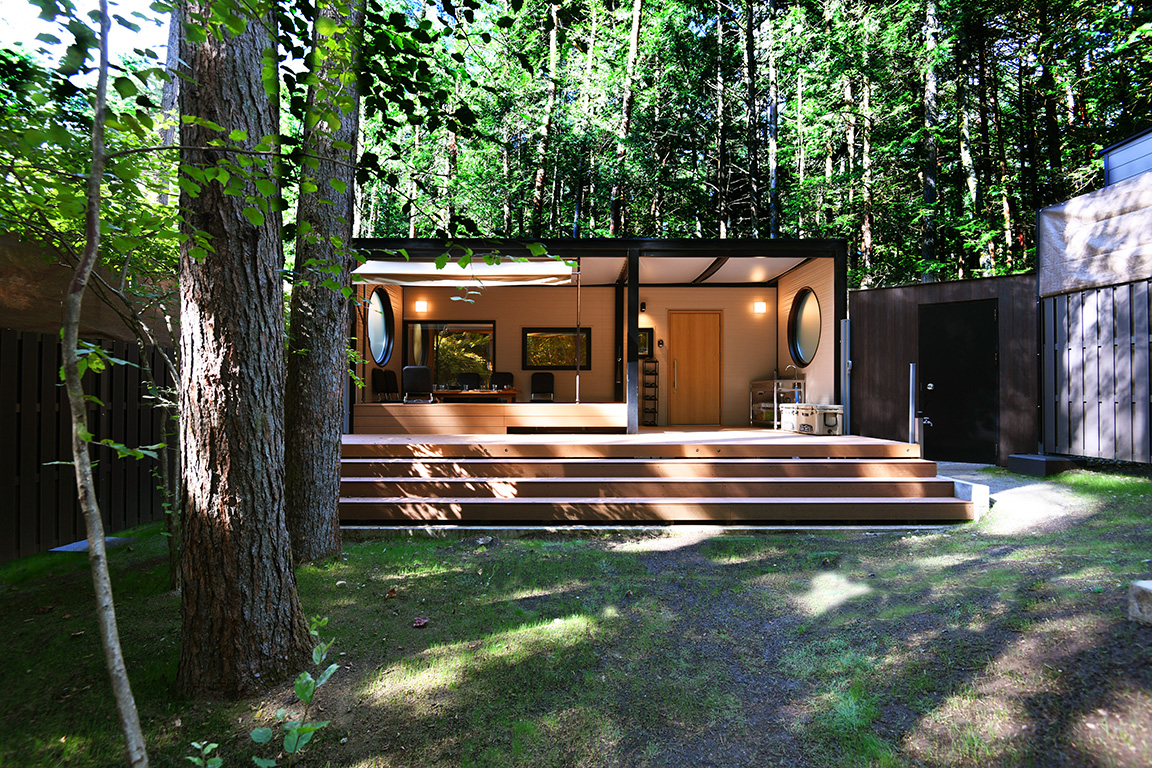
<point>77,634</point>
<point>43,609</point>
<point>419,623</point>
<point>391,593</point>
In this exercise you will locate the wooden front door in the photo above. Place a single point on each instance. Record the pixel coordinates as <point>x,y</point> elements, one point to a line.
<point>694,340</point>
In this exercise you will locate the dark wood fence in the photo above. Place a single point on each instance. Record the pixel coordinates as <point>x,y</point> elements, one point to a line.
<point>1096,373</point>
<point>885,339</point>
<point>38,506</point>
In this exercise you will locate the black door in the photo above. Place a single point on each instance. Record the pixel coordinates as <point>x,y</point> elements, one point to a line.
<point>959,395</point>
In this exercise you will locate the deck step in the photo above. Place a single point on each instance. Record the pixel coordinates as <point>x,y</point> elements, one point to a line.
<point>651,509</point>
<point>482,446</point>
<point>633,467</point>
<point>667,487</point>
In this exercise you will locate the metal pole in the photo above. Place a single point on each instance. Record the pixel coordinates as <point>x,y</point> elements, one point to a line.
<point>913,431</point>
<point>579,339</point>
<point>846,373</point>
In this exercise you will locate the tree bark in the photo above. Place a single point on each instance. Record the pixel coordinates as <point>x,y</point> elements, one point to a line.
<point>616,220</point>
<point>752,114</point>
<point>318,335</point>
<point>546,123</point>
<point>928,255</point>
<point>241,621</point>
<point>86,492</point>
<point>722,212</point>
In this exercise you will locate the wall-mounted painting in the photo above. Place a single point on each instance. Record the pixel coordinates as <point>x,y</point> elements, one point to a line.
<point>644,342</point>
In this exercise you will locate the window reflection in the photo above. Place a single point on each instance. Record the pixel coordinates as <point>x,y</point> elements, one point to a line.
<point>450,349</point>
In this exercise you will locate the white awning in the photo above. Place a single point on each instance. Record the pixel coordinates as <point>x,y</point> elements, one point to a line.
<point>477,273</point>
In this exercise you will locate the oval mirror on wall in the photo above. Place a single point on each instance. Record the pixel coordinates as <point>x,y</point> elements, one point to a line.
<point>381,326</point>
<point>804,327</point>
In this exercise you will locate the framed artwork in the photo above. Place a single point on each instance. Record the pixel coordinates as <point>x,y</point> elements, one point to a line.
<point>546,349</point>
<point>644,342</point>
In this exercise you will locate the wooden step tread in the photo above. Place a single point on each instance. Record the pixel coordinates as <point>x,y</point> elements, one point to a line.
<point>553,487</point>
<point>633,467</point>
<point>639,509</point>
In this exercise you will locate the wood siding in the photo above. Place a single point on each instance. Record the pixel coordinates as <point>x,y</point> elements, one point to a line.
<point>35,430</point>
<point>820,374</point>
<point>885,339</point>
<point>483,418</point>
<point>1128,159</point>
<point>1096,352</point>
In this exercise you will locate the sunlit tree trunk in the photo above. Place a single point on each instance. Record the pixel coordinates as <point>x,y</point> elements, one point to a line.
<point>928,254</point>
<point>616,220</point>
<point>318,334</point>
<point>546,123</point>
<point>242,628</point>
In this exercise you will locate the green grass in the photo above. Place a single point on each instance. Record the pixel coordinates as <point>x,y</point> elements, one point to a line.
<point>847,649</point>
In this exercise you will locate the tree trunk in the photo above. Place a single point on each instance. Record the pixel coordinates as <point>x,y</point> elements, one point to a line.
<point>801,231</point>
<point>241,622</point>
<point>616,222</point>
<point>721,135</point>
<point>318,336</point>
<point>928,255</point>
<point>506,168</point>
<point>546,124</point>
<point>86,492</point>
<point>866,246</point>
<point>752,114</point>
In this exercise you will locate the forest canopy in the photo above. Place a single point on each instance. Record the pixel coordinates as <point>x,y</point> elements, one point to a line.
<point>925,133</point>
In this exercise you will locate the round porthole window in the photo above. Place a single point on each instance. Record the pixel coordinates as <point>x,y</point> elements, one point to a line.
<point>381,326</point>
<point>804,326</point>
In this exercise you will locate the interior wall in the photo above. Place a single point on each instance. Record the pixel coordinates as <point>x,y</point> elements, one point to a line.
<point>820,374</point>
<point>514,308</point>
<point>748,343</point>
<point>396,295</point>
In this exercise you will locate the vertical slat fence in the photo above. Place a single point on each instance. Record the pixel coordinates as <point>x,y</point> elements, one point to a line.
<point>39,509</point>
<point>1096,357</point>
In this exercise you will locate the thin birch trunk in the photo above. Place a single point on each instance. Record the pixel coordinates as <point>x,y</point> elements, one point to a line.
<point>546,124</point>
<point>97,555</point>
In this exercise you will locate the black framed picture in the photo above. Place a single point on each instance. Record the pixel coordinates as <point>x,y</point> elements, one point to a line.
<point>554,349</point>
<point>644,342</point>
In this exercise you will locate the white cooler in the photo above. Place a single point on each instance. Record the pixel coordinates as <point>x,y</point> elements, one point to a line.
<point>812,419</point>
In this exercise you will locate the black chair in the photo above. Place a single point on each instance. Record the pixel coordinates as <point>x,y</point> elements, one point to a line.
<point>417,384</point>
<point>384,386</point>
<point>543,387</point>
<point>468,380</point>
<point>502,380</point>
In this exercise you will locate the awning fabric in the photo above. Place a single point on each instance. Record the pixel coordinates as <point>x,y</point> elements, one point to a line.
<point>478,273</point>
<point>1096,240</point>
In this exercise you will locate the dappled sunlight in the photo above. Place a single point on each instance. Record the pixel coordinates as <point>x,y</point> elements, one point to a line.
<point>1118,733</point>
<point>940,562</point>
<point>1037,507</point>
<point>828,592</point>
<point>679,537</point>
<point>443,667</point>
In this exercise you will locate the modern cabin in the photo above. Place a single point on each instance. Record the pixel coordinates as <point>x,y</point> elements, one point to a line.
<point>671,332</point>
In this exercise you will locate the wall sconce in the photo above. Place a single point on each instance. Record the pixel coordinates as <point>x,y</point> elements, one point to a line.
<point>759,307</point>
<point>421,305</point>
<point>643,306</point>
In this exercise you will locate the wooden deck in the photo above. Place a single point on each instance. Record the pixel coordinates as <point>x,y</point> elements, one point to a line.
<point>666,476</point>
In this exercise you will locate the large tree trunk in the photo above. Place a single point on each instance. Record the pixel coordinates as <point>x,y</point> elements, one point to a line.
<point>241,621</point>
<point>318,336</point>
<point>546,123</point>
<point>616,221</point>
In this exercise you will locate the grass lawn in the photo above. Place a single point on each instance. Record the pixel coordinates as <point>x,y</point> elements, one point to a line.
<point>1000,643</point>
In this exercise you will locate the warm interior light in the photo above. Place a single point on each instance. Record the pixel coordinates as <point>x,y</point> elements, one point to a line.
<point>760,307</point>
<point>421,305</point>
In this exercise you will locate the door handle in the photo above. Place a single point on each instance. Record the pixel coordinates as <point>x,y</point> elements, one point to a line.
<point>675,378</point>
